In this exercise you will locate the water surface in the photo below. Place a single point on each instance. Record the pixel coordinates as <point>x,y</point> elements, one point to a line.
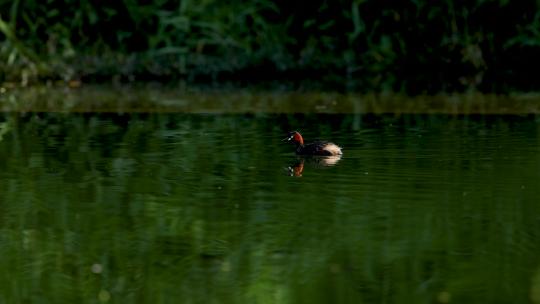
<point>214,208</point>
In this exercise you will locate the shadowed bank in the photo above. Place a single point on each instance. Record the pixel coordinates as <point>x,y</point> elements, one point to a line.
<point>413,47</point>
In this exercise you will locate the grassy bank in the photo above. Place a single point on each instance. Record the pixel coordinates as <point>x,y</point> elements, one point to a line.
<point>169,99</point>
<point>410,46</point>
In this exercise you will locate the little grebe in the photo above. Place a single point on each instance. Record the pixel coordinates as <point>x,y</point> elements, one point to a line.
<point>322,148</point>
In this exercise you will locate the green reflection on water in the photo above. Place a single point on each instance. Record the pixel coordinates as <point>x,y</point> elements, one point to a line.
<point>201,208</point>
<point>163,99</point>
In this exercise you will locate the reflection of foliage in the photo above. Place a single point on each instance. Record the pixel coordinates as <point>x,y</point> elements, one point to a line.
<point>148,208</point>
<point>4,129</point>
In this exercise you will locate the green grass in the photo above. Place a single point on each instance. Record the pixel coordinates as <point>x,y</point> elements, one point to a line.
<point>411,46</point>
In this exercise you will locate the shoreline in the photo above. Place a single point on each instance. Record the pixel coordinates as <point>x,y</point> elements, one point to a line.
<point>151,98</point>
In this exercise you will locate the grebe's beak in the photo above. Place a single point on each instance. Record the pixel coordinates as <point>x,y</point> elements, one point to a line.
<point>288,138</point>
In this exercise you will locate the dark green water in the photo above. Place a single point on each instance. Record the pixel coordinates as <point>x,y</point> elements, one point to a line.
<point>201,208</point>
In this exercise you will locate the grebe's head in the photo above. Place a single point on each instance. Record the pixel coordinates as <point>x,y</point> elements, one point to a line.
<point>294,137</point>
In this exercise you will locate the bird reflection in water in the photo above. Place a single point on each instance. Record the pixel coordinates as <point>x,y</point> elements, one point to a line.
<point>316,162</point>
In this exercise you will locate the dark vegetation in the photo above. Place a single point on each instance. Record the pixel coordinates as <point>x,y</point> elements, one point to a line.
<point>412,46</point>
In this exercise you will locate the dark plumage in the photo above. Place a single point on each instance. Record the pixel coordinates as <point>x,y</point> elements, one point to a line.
<point>322,148</point>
